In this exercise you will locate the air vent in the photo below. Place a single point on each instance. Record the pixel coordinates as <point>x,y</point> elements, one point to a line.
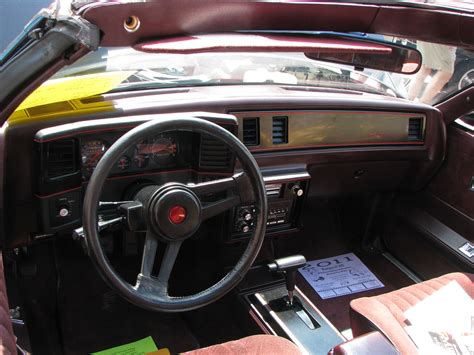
<point>214,153</point>
<point>251,131</point>
<point>280,130</point>
<point>61,158</point>
<point>415,128</point>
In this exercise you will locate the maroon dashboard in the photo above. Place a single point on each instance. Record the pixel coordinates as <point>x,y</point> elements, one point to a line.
<point>324,145</point>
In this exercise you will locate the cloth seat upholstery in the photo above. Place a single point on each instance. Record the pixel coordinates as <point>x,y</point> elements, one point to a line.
<point>252,345</point>
<point>385,312</point>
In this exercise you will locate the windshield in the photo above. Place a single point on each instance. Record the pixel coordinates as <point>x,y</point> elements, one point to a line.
<point>149,70</point>
<point>445,70</point>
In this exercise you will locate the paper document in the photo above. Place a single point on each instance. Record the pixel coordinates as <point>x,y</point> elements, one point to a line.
<point>443,323</point>
<point>139,347</point>
<point>339,275</point>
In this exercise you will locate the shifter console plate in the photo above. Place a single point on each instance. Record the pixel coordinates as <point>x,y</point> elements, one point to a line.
<point>281,307</point>
<point>303,323</point>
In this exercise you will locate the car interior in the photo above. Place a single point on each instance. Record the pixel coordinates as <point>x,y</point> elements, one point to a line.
<point>231,176</point>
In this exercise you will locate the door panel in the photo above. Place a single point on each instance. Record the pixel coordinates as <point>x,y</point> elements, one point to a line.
<point>453,183</point>
<point>427,229</point>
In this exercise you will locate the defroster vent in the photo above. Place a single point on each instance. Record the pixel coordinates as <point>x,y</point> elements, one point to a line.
<point>61,158</point>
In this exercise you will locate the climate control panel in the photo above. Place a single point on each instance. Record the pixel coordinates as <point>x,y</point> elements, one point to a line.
<point>285,201</point>
<point>244,219</point>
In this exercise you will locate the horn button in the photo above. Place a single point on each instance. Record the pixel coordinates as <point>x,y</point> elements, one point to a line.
<point>175,213</point>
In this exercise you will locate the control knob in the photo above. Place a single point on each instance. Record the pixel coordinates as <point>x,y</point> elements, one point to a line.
<point>297,190</point>
<point>243,227</point>
<point>245,214</point>
<point>63,211</point>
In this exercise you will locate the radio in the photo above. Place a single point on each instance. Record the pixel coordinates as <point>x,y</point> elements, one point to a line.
<point>285,201</point>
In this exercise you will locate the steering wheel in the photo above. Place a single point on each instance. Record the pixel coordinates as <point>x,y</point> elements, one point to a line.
<point>172,213</point>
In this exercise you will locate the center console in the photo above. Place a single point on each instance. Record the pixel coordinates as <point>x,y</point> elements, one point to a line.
<point>282,309</point>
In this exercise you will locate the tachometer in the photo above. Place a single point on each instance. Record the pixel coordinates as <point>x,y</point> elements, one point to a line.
<point>123,163</point>
<point>141,154</point>
<point>91,152</point>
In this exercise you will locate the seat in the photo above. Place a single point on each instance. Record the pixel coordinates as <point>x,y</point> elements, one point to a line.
<point>255,344</point>
<point>385,312</point>
<point>367,344</point>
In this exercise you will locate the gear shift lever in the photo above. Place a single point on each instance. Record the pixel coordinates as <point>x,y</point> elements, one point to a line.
<point>288,266</point>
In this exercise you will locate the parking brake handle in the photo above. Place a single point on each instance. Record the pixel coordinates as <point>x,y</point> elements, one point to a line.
<point>288,266</point>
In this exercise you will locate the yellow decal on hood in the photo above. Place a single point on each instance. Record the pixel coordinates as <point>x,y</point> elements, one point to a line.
<point>58,90</point>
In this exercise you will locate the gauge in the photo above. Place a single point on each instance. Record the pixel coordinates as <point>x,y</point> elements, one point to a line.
<point>124,163</point>
<point>141,155</point>
<point>163,150</point>
<point>91,152</point>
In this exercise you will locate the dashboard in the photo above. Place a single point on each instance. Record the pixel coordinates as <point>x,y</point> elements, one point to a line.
<point>334,146</point>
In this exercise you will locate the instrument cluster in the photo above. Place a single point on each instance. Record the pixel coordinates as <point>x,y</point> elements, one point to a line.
<point>154,153</point>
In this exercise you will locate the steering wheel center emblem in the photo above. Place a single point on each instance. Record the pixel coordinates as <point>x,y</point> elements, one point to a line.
<point>177,214</point>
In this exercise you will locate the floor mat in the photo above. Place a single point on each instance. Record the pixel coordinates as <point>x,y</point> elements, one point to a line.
<point>337,309</point>
<point>339,275</point>
<point>329,241</point>
<point>93,317</point>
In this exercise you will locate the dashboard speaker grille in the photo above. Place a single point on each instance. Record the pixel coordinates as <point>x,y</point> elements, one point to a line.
<point>61,158</point>
<point>280,130</point>
<point>415,128</point>
<point>214,154</point>
<point>251,131</point>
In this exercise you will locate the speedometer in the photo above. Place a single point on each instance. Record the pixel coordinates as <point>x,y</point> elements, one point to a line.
<point>91,152</point>
<point>164,150</point>
<point>161,149</point>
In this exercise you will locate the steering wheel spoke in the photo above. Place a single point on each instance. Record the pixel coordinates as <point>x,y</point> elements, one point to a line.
<point>214,186</point>
<point>214,208</point>
<point>145,280</point>
<point>167,264</point>
<point>149,254</point>
<point>239,186</point>
<point>239,182</point>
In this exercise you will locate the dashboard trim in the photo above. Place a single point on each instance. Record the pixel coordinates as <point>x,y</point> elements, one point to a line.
<point>111,124</point>
<point>69,135</point>
<point>331,128</point>
<point>358,144</point>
